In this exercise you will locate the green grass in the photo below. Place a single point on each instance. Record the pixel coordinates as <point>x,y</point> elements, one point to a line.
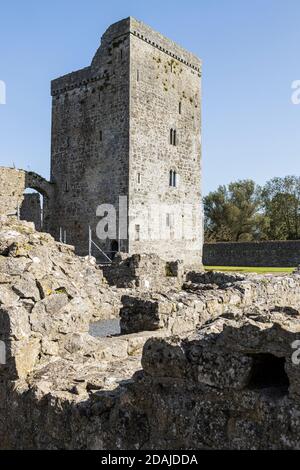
<point>249,269</point>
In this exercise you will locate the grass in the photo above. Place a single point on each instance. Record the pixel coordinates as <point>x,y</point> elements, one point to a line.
<point>249,269</point>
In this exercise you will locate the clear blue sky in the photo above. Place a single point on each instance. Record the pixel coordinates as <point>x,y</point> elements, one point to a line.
<point>250,53</point>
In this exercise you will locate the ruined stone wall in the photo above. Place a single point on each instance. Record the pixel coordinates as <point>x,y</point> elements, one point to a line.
<point>231,382</point>
<point>165,95</point>
<point>231,385</point>
<point>145,271</point>
<point>203,297</point>
<point>258,254</point>
<point>13,183</point>
<point>31,209</point>
<point>90,138</point>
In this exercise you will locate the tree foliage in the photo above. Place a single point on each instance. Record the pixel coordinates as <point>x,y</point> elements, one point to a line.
<point>281,203</point>
<point>243,211</point>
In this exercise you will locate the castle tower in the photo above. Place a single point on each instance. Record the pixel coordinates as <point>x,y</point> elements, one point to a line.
<point>126,133</point>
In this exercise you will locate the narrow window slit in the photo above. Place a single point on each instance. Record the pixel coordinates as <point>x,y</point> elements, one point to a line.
<point>173,137</point>
<point>137,233</point>
<point>173,179</point>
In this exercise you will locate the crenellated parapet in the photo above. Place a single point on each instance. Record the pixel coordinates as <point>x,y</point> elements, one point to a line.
<point>114,36</point>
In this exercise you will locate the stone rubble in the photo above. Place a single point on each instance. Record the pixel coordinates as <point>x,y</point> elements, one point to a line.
<point>208,363</point>
<point>203,297</point>
<point>46,292</point>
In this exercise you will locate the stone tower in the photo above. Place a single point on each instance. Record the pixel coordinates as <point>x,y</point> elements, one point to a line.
<point>129,125</point>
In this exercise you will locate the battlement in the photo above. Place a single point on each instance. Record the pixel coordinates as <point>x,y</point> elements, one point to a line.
<point>111,38</point>
<point>70,81</point>
<point>169,47</point>
<point>137,28</point>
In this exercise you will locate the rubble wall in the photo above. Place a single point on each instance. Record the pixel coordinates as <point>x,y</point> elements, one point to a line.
<point>145,271</point>
<point>13,183</point>
<point>210,390</point>
<point>231,382</point>
<point>203,297</point>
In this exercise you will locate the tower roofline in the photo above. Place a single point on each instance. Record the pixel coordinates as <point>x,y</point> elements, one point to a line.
<point>115,33</point>
<point>131,25</point>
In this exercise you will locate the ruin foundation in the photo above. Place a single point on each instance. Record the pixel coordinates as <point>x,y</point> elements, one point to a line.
<point>205,361</point>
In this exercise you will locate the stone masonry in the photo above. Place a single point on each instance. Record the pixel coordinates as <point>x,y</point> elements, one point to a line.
<point>200,360</point>
<point>13,184</point>
<point>215,367</point>
<point>230,385</point>
<point>111,136</point>
<point>125,136</point>
<point>280,253</point>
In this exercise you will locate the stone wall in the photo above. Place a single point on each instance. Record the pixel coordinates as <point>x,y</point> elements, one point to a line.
<point>232,382</point>
<point>165,94</point>
<point>258,254</point>
<point>111,147</point>
<point>13,183</point>
<point>90,139</point>
<point>230,385</point>
<point>12,186</point>
<point>203,297</point>
<point>143,271</point>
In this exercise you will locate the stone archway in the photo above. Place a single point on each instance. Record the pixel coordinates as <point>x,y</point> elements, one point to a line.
<point>37,182</point>
<point>32,207</point>
<point>14,182</point>
<point>46,189</point>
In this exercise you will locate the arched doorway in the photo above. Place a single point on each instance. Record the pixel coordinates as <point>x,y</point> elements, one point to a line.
<point>37,183</point>
<point>31,208</point>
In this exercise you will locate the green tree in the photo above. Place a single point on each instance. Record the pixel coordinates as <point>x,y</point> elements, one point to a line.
<point>233,213</point>
<point>281,205</point>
